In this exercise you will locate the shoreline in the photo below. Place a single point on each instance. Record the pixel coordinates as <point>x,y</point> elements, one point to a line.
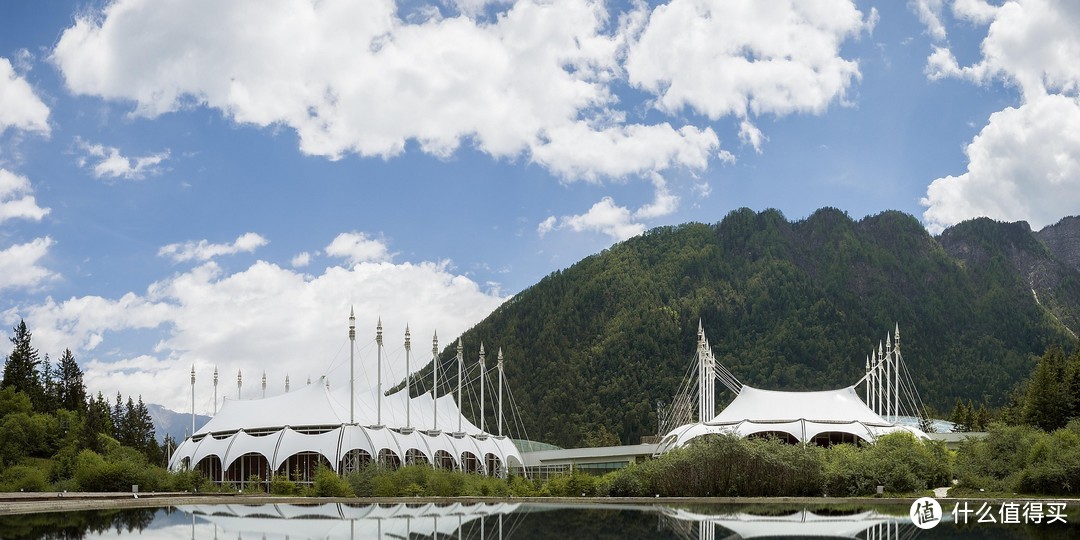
<point>37,503</point>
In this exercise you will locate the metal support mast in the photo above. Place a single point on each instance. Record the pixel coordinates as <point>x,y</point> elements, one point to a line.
<point>460,366</point>
<point>193,399</point>
<point>500,365</point>
<point>869,383</point>
<point>264,385</point>
<point>286,384</point>
<point>435,382</point>
<point>239,383</point>
<point>215,390</point>
<point>408,379</point>
<point>483,372</point>
<point>378,370</point>
<point>896,374</point>
<point>352,362</point>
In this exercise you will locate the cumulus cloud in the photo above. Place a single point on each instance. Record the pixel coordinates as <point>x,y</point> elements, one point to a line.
<point>19,264</point>
<point>930,14</point>
<point>515,85</point>
<point>358,247</point>
<point>20,107</point>
<point>262,319</point>
<point>1023,165</point>
<point>107,162</point>
<point>203,250</point>
<point>17,200</point>
<point>744,57</point>
<point>618,222</point>
<point>301,260</point>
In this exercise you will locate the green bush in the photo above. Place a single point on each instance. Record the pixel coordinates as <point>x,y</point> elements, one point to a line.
<point>329,484</point>
<point>281,485</point>
<point>23,478</point>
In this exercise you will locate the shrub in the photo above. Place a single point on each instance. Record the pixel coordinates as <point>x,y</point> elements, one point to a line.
<point>23,478</point>
<point>329,484</point>
<point>281,485</point>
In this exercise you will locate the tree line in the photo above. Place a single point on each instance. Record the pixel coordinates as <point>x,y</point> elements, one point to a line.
<point>47,419</point>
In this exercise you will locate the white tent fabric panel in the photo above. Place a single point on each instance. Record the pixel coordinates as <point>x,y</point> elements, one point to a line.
<point>356,438</point>
<point>208,446</point>
<point>292,443</point>
<point>415,440</point>
<point>385,439</point>
<point>242,444</point>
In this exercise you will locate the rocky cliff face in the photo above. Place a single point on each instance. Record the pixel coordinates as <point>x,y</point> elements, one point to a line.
<point>1063,239</point>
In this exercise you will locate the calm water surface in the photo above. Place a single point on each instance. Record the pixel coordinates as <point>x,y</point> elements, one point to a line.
<point>517,521</point>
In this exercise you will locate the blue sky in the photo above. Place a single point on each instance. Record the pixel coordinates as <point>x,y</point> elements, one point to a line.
<point>214,184</point>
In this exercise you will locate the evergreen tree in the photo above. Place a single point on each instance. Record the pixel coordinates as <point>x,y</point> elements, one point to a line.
<point>49,389</point>
<point>1047,405</point>
<point>961,417</point>
<point>72,391</point>
<point>21,368</point>
<point>98,420</point>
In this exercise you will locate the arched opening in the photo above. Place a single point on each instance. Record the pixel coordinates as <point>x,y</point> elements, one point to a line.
<point>778,435</point>
<point>414,456</point>
<point>185,464</point>
<point>493,465</point>
<point>828,438</point>
<point>249,471</point>
<point>354,460</point>
<point>469,462</point>
<point>210,467</point>
<point>388,459</point>
<point>300,467</point>
<point>444,460</point>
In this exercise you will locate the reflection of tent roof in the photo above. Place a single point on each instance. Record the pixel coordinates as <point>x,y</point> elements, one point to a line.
<point>341,520</point>
<point>800,523</point>
<point>803,415</point>
<point>315,419</point>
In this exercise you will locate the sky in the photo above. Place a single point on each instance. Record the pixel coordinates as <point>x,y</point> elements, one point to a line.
<point>195,184</point>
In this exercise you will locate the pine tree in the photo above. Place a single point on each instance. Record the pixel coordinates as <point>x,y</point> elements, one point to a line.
<point>98,420</point>
<point>1047,402</point>
<point>960,417</point>
<point>21,368</point>
<point>72,391</point>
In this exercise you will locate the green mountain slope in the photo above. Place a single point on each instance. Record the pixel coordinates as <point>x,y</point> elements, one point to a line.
<point>786,305</point>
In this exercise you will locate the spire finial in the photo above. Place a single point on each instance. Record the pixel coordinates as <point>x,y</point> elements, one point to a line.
<point>378,332</point>
<point>408,338</point>
<point>896,342</point>
<point>215,376</point>
<point>435,344</point>
<point>192,373</point>
<point>352,324</point>
<point>500,358</point>
<point>286,383</point>
<point>481,349</point>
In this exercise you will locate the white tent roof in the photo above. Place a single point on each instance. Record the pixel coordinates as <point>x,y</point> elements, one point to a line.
<point>803,415</point>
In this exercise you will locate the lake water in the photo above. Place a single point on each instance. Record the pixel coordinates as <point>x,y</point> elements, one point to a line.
<point>532,520</point>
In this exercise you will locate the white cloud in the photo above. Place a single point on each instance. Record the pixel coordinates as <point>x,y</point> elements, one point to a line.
<point>19,264</point>
<point>203,250</point>
<point>264,318</point>
<point>358,247</point>
<point>546,226</point>
<point>930,13</point>
<point>516,85</point>
<point>301,260</point>
<point>17,199</point>
<point>107,162</point>
<point>750,134</point>
<point>1024,165</point>
<point>1031,43</point>
<point>618,222</point>
<point>20,107</point>
<point>746,57</point>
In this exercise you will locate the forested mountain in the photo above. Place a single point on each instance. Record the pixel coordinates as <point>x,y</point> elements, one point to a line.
<point>786,305</point>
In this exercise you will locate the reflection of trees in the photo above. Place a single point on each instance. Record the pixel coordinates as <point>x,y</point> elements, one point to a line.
<point>75,525</point>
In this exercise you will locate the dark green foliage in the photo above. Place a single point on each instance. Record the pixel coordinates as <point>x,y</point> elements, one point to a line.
<point>21,368</point>
<point>329,484</point>
<point>23,478</point>
<point>71,392</point>
<point>1022,459</point>
<point>898,461</point>
<point>423,480</point>
<point>786,305</point>
<point>280,485</point>
<point>726,466</point>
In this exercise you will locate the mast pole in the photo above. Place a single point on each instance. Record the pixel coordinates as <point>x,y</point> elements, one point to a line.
<point>215,390</point>
<point>500,364</point>
<point>408,379</point>
<point>264,385</point>
<point>483,372</point>
<point>239,383</point>
<point>460,365</point>
<point>435,382</point>
<point>352,362</point>
<point>378,348</point>
<point>193,399</point>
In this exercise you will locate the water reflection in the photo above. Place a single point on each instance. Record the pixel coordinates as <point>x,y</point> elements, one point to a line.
<point>520,521</point>
<point>334,521</point>
<point>745,522</point>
